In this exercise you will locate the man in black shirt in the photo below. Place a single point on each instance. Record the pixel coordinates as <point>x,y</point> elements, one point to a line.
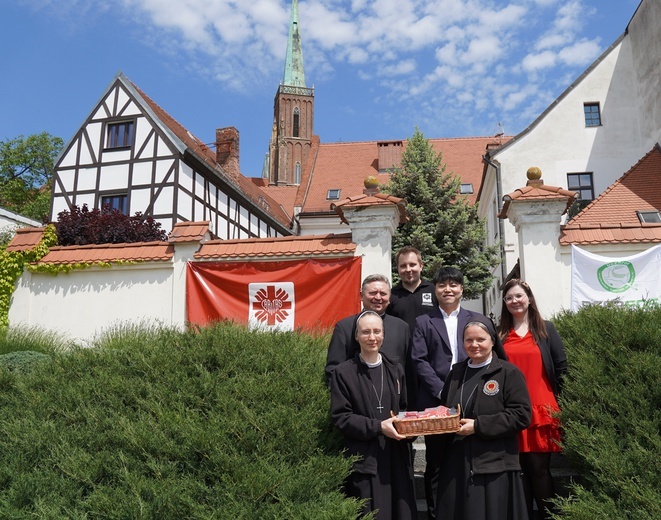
<point>413,296</point>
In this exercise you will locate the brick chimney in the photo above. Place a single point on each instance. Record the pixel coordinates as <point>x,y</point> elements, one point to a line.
<point>390,155</point>
<point>227,150</point>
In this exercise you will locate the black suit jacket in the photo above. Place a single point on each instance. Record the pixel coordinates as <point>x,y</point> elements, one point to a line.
<point>343,344</point>
<point>431,356</point>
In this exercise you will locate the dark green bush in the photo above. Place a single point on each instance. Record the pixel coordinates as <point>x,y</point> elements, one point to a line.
<point>22,361</point>
<point>611,410</point>
<point>161,424</point>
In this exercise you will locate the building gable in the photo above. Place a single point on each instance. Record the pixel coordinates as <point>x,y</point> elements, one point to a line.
<point>133,155</point>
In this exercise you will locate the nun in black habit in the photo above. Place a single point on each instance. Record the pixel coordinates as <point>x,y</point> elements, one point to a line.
<point>480,474</point>
<point>364,390</point>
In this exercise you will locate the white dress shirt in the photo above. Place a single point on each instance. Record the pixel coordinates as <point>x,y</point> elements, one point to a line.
<point>450,321</point>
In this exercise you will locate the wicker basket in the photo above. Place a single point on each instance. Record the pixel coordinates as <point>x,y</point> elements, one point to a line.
<point>414,426</point>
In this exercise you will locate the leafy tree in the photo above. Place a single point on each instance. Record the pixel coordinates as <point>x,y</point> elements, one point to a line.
<point>80,226</point>
<point>443,225</point>
<point>26,173</point>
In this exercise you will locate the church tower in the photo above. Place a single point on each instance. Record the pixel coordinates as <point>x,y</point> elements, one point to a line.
<point>293,114</point>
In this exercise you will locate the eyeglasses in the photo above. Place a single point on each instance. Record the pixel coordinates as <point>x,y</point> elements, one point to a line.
<point>514,297</point>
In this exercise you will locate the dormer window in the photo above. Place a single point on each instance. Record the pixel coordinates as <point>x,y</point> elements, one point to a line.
<point>333,194</point>
<point>649,217</point>
<point>582,184</point>
<point>120,135</point>
<point>592,114</point>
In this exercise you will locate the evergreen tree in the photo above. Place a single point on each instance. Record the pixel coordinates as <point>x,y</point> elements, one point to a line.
<point>442,224</point>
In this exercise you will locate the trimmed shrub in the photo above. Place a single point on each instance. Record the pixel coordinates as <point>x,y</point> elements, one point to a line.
<point>22,361</point>
<point>611,411</point>
<point>155,423</point>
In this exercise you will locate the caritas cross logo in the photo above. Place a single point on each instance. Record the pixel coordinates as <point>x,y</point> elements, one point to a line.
<point>272,305</point>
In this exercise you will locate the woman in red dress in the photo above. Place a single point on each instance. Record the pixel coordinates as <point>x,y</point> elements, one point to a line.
<point>535,347</point>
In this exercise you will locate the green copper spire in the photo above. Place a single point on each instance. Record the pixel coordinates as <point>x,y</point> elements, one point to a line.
<point>294,75</point>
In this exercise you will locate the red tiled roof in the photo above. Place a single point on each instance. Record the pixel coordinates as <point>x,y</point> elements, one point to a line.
<point>345,165</point>
<point>189,231</point>
<point>25,239</point>
<point>611,218</point>
<point>537,191</point>
<point>285,196</point>
<point>271,248</point>
<point>206,154</point>
<point>377,199</point>
<point>138,251</point>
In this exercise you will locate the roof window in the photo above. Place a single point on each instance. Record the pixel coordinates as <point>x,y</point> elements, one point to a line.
<point>649,217</point>
<point>333,194</point>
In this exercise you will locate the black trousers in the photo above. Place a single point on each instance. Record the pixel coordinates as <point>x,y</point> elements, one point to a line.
<point>433,456</point>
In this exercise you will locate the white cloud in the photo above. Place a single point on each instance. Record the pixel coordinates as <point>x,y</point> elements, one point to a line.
<point>540,60</point>
<point>398,69</point>
<point>471,54</point>
<point>581,53</point>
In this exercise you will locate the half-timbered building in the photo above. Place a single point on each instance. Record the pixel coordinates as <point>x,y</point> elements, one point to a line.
<point>132,156</point>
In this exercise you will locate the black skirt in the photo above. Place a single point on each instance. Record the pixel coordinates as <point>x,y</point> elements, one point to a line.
<point>390,492</point>
<point>462,496</point>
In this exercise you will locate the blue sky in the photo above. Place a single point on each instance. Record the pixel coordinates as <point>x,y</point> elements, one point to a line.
<point>379,67</point>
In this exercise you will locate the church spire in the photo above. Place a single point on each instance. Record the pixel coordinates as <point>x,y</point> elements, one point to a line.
<point>294,74</point>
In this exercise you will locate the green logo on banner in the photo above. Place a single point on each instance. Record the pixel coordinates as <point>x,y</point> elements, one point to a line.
<point>616,277</point>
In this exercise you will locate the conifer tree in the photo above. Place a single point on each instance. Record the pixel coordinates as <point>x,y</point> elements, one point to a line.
<point>442,224</point>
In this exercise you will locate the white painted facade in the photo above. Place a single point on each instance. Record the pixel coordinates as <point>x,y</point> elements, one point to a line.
<point>84,302</point>
<point>624,80</point>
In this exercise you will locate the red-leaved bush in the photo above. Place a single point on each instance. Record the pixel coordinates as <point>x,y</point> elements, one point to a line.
<point>80,226</point>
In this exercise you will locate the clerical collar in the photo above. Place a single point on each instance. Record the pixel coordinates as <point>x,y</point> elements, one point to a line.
<point>382,316</point>
<point>372,365</point>
<point>480,365</point>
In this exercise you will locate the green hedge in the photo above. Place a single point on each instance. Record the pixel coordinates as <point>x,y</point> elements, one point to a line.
<point>220,423</point>
<point>611,410</point>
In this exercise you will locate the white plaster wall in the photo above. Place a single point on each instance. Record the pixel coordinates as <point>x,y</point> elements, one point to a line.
<point>142,173</point>
<point>14,220</point>
<point>645,40</point>
<point>372,229</point>
<point>84,302</point>
<point>561,143</point>
<point>323,226</point>
<point>114,177</point>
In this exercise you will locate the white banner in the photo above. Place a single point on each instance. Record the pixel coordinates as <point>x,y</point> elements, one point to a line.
<point>633,280</point>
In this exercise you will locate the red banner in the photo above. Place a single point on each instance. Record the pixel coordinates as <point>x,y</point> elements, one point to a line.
<point>298,294</point>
